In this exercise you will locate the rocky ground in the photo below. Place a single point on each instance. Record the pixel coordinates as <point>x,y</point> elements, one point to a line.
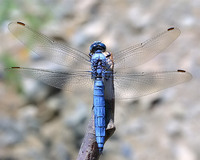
<point>38,122</point>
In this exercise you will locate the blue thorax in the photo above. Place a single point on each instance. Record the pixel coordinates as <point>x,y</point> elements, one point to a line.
<point>98,64</point>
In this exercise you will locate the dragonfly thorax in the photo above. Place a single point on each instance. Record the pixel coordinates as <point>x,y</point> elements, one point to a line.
<point>98,64</point>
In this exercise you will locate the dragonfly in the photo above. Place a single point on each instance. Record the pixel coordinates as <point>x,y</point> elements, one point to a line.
<point>110,75</point>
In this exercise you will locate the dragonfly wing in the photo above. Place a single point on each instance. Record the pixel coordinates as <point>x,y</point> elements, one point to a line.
<point>58,79</point>
<point>141,53</point>
<point>49,49</point>
<point>140,84</point>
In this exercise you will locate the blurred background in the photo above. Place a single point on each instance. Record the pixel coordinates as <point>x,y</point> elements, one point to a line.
<point>38,122</point>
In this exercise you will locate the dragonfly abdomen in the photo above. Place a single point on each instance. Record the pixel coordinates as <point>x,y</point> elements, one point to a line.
<point>99,113</point>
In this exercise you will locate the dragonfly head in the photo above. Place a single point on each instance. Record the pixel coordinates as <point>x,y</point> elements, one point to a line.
<point>97,45</point>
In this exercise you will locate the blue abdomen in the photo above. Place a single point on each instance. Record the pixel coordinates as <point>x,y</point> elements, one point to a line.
<point>99,113</point>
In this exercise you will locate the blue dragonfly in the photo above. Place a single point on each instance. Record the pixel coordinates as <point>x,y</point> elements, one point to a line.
<point>110,75</point>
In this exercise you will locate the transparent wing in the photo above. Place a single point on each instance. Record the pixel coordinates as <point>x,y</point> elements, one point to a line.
<point>141,53</point>
<point>140,84</point>
<point>49,49</point>
<point>59,79</point>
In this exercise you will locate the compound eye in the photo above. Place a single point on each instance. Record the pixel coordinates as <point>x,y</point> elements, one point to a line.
<point>97,45</point>
<point>92,48</point>
<point>103,46</point>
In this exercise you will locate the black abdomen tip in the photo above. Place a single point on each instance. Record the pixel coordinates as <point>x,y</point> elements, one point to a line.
<point>100,150</point>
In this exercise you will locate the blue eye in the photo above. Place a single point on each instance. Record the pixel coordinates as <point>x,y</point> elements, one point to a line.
<point>97,46</point>
<point>92,47</point>
<point>103,46</point>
